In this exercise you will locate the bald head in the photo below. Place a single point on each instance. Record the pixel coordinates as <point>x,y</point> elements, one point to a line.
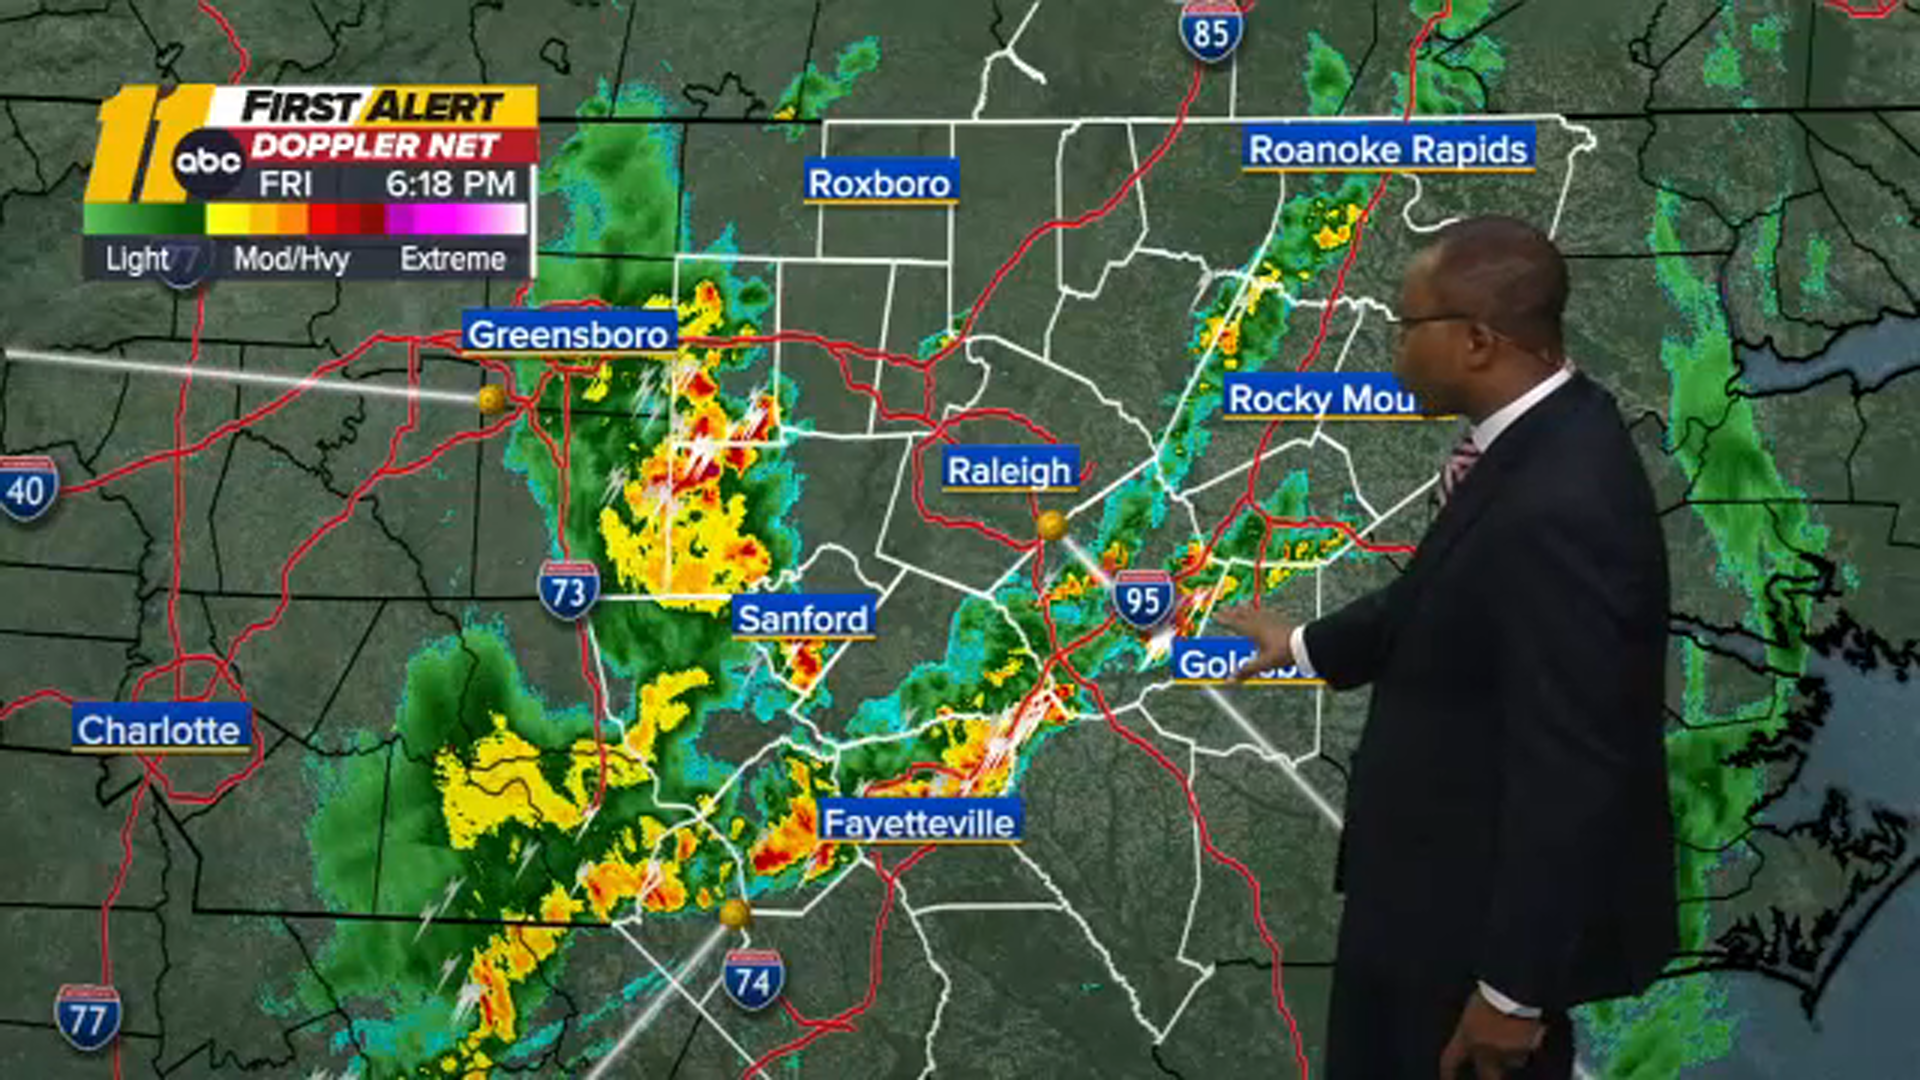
<point>1503,271</point>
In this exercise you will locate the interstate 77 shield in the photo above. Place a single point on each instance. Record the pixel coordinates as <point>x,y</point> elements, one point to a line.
<point>88,1016</point>
<point>1142,598</point>
<point>754,977</point>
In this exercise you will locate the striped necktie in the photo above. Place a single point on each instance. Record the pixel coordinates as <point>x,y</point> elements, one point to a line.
<point>1465,453</point>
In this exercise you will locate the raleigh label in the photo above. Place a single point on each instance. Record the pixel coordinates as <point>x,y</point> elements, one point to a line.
<point>1032,467</point>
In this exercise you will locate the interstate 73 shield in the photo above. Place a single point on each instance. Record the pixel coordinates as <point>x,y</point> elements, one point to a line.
<point>754,977</point>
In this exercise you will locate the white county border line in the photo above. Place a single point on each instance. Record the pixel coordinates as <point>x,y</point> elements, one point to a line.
<point>697,818</point>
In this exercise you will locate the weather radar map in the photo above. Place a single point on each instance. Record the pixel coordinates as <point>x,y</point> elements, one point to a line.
<point>681,539</point>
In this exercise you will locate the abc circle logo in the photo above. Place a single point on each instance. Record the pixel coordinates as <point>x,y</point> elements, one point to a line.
<point>209,163</point>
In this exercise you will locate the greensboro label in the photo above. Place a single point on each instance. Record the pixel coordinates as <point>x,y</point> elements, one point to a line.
<point>773,616</point>
<point>569,331</point>
<point>162,727</point>
<point>1203,660</point>
<point>875,181</point>
<point>1388,146</point>
<point>1311,395</point>
<point>906,820</point>
<point>1031,467</point>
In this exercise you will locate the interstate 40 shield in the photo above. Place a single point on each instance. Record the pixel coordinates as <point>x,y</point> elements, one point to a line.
<point>88,1016</point>
<point>28,486</point>
<point>754,977</point>
<point>1142,598</point>
<point>1211,29</point>
<point>568,588</point>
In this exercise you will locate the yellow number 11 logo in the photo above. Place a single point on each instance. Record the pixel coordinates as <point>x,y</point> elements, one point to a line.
<point>124,146</point>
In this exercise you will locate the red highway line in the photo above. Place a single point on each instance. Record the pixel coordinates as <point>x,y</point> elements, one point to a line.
<point>1880,10</point>
<point>233,40</point>
<point>843,1021</point>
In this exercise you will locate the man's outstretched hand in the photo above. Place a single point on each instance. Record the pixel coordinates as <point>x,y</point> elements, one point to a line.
<point>1272,637</point>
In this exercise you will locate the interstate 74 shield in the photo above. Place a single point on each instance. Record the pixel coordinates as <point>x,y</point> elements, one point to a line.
<point>754,977</point>
<point>1142,598</point>
<point>88,1016</point>
<point>568,588</point>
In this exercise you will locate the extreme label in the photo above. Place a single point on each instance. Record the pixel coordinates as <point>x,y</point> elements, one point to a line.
<point>903,820</point>
<point>1388,146</point>
<point>1316,395</point>
<point>1207,660</point>
<point>1032,467</point>
<point>881,181</point>
<point>162,727</point>
<point>569,331</point>
<point>784,616</point>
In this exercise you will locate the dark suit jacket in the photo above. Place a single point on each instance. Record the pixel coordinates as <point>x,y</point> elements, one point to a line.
<point>1507,815</point>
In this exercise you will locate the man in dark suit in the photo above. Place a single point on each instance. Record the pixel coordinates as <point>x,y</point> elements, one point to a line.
<point>1508,850</point>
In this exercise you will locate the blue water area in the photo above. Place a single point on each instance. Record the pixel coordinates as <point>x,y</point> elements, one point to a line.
<point>1863,1025</point>
<point>1869,748</point>
<point>1871,355</point>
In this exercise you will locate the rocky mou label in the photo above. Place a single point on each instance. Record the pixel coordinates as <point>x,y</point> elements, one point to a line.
<point>1389,146</point>
<point>881,181</point>
<point>931,820</point>
<point>785,616</point>
<point>1315,395</point>
<point>1036,467</point>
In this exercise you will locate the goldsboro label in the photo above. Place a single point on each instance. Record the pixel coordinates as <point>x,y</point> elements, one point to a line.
<point>1032,467</point>
<point>779,616</point>
<point>930,820</point>
<point>1389,146</point>
<point>881,181</point>
<point>1204,660</point>
<point>1310,395</point>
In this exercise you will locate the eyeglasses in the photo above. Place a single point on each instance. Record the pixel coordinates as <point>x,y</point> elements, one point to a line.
<point>1403,324</point>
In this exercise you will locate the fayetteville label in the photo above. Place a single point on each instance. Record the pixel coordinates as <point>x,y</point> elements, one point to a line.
<point>907,820</point>
<point>1034,467</point>
<point>881,181</point>
<point>162,727</point>
<point>1208,660</point>
<point>1389,146</point>
<point>1311,395</point>
<point>784,616</point>
<point>570,331</point>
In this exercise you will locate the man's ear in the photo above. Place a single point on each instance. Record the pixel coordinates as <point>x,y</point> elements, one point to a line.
<point>1482,343</point>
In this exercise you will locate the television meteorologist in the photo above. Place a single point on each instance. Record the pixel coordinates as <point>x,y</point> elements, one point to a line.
<point>1508,849</point>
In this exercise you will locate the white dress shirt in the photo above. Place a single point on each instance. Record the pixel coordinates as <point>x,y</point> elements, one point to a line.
<point>1484,433</point>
